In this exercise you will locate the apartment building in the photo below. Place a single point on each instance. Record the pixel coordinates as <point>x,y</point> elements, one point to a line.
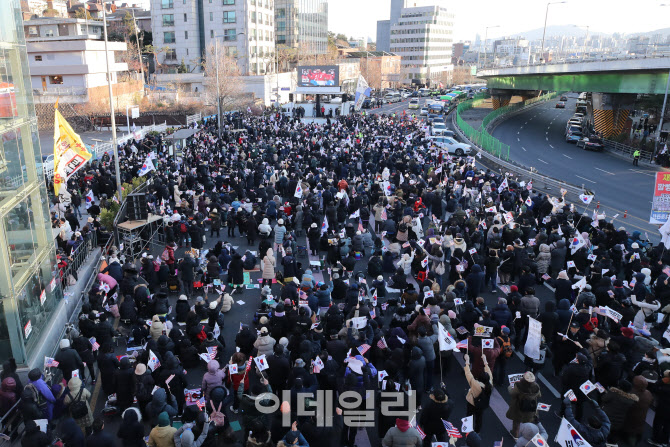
<point>302,24</point>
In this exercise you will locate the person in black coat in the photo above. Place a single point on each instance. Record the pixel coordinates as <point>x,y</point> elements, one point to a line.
<point>125,385</point>
<point>114,270</point>
<point>71,434</point>
<point>99,437</point>
<point>84,348</point>
<point>439,407</point>
<point>280,368</point>
<point>573,376</point>
<point>131,431</point>
<point>182,309</point>
<point>68,360</point>
<point>236,272</point>
<point>108,365</point>
<point>171,366</point>
<point>33,437</point>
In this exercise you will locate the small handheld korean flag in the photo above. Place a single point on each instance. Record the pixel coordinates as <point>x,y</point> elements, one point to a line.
<point>472,251</point>
<point>424,262</point>
<point>153,362</point>
<point>543,407</point>
<point>146,167</point>
<point>298,191</point>
<point>587,387</point>
<point>261,362</point>
<point>232,368</point>
<point>538,441</point>
<point>586,198</point>
<point>487,343</point>
<point>528,202</point>
<point>324,225</point>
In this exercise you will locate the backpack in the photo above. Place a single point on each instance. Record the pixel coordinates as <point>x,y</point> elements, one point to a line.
<point>165,256</point>
<point>37,396</point>
<point>402,227</point>
<point>183,228</point>
<point>78,407</point>
<point>482,401</point>
<point>440,269</point>
<point>202,335</point>
<point>506,346</point>
<point>216,416</point>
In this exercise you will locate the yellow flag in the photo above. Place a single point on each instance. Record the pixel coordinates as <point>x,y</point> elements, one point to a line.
<point>70,153</point>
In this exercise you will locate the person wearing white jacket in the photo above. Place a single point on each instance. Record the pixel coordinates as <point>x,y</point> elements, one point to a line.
<point>647,308</point>
<point>406,263</point>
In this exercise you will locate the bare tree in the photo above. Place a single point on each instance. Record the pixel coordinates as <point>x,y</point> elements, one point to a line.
<point>229,93</point>
<point>371,69</point>
<point>131,57</point>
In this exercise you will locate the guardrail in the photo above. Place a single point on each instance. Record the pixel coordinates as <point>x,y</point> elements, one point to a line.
<point>97,150</point>
<point>540,182</point>
<point>78,256</point>
<point>480,139</point>
<point>626,150</point>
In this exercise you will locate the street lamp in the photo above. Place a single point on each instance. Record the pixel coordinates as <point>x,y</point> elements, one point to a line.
<point>486,35</point>
<point>546,14</point>
<point>111,106</point>
<point>585,38</point>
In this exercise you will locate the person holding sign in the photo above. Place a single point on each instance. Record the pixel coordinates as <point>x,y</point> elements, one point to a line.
<point>524,396</point>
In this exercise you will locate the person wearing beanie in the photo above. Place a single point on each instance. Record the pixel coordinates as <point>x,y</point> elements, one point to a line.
<point>184,437</point>
<point>524,396</point>
<point>68,360</point>
<point>100,437</point>
<point>439,408</point>
<point>403,434</point>
<point>527,431</point>
<point>75,385</point>
<point>182,309</point>
<point>162,435</point>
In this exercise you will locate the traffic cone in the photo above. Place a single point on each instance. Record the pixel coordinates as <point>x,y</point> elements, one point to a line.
<point>625,212</point>
<point>598,205</point>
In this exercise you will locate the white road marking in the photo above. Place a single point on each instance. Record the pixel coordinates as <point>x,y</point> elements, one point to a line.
<point>546,138</point>
<point>551,146</point>
<point>607,172</point>
<point>567,156</point>
<point>649,173</point>
<point>518,133</point>
<point>584,178</point>
<point>523,148</point>
<point>518,139</point>
<point>526,122</point>
<point>539,159</point>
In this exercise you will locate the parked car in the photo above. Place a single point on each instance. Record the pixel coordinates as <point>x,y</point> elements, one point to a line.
<point>573,135</point>
<point>592,143</point>
<point>560,105</point>
<point>424,111</point>
<point>366,104</point>
<point>451,145</point>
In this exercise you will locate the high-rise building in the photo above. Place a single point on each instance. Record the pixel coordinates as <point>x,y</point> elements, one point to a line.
<point>302,24</point>
<point>384,26</point>
<point>187,28</point>
<point>32,308</point>
<point>422,36</point>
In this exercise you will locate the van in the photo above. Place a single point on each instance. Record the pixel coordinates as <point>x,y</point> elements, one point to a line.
<point>582,96</point>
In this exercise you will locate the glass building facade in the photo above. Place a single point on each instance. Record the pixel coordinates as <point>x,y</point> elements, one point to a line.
<point>30,290</point>
<point>302,24</point>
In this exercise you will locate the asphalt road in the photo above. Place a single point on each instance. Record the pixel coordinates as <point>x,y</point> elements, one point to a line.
<point>537,139</point>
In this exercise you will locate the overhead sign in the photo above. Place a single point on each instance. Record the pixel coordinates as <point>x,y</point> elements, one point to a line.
<point>660,205</point>
<point>318,76</point>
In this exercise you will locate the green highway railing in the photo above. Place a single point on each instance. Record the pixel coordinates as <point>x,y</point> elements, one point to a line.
<point>481,137</point>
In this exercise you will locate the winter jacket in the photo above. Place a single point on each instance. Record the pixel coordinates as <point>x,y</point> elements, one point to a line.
<point>68,360</point>
<point>157,327</point>
<point>162,436</point>
<point>280,231</point>
<point>269,263</point>
<point>159,403</point>
<point>637,413</point>
<point>75,386</point>
<point>427,344</point>
<point>264,344</point>
<point>543,259</point>
<point>616,405</point>
<point>432,415</point>
<point>8,395</point>
<point>530,305</point>
<point>519,393</point>
<point>395,437</point>
<point>212,378</point>
<point>502,315</point>
<point>184,437</point>
<point>595,437</point>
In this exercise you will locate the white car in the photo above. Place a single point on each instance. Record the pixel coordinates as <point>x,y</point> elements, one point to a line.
<point>424,111</point>
<point>451,145</point>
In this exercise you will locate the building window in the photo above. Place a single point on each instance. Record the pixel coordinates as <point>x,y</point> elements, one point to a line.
<point>228,16</point>
<point>260,17</point>
<point>171,55</point>
<point>168,37</point>
<point>168,19</point>
<point>211,16</point>
<point>211,34</point>
<point>253,17</point>
<point>38,58</point>
<point>167,4</point>
<point>230,35</point>
<point>228,2</point>
<point>56,80</point>
<point>32,31</point>
<point>281,13</point>
<point>185,18</point>
<point>185,35</point>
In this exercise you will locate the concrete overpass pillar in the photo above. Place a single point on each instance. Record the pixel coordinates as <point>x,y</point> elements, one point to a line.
<point>500,100</point>
<point>610,112</point>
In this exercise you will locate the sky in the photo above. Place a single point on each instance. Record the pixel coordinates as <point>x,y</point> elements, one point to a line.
<point>358,18</point>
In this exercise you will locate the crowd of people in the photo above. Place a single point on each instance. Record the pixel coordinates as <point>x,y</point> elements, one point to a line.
<point>410,249</point>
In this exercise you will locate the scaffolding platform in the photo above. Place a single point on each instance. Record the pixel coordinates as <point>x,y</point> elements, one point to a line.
<point>136,236</point>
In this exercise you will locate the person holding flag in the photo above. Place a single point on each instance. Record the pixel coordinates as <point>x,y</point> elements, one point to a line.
<point>437,410</point>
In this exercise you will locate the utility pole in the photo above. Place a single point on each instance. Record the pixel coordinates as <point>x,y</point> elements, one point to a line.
<point>139,49</point>
<point>111,106</point>
<point>218,93</point>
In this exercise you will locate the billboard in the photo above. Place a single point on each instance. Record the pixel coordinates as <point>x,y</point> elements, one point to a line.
<point>660,205</point>
<point>318,76</point>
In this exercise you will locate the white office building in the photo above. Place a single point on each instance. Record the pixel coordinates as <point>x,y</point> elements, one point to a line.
<point>423,37</point>
<point>67,59</point>
<point>187,28</point>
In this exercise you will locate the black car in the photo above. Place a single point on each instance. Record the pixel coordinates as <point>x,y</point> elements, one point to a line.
<point>564,98</point>
<point>414,94</point>
<point>592,143</point>
<point>366,104</point>
<point>560,105</point>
